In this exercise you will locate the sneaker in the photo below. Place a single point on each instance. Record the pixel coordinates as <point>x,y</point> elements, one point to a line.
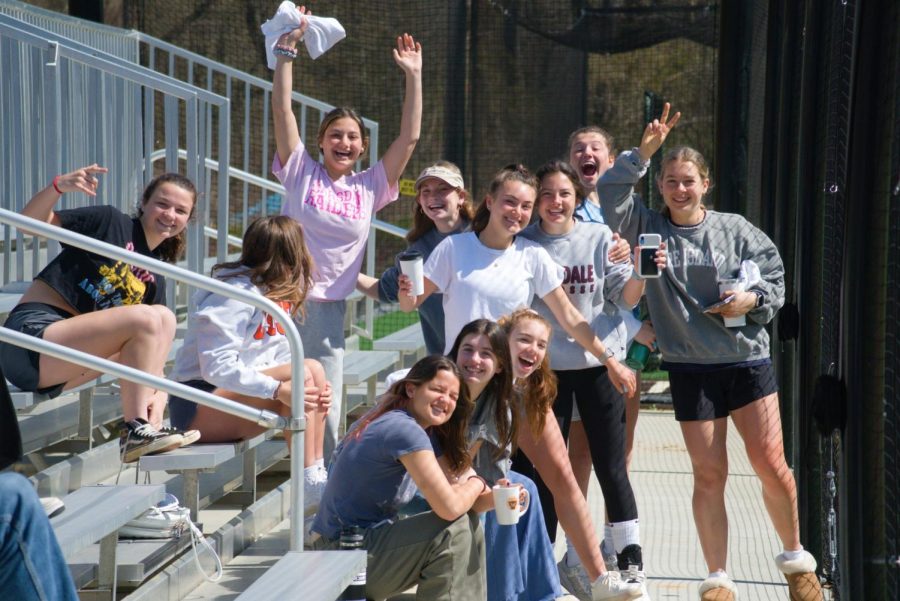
<point>166,519</point>
<point>803,584</point>
<point>53,506</point>
<point>312,496</point>
<point>139,438</point>
<point>609,557</point>
<point>718,588</point>
<point>574,580</point>
<point>611,586</point>
<point>188,436</point>
<point>631,568</point>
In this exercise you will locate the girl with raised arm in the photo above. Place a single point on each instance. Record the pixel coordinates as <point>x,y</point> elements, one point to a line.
<point>106,307</point>
<point>411,440</point>
<point>238,352</point>
<point>334,204</point>
<point>716,370</point>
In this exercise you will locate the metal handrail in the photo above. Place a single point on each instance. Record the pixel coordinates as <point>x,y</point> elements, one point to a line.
<point>296,424</point>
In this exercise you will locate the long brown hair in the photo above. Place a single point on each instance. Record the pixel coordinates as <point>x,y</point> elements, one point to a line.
<point>539,389</point>
<point>170,249</point>
<point>684,154</point>
<point>500,387</point>
<point>451,435</point>
<point>512,172</point>
<point>422,224</point>
<point>275,258</point>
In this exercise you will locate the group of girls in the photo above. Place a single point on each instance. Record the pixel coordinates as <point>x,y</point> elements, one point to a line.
<point>450,427</point>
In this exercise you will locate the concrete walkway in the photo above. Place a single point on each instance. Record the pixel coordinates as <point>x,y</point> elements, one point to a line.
<point>662,481</point>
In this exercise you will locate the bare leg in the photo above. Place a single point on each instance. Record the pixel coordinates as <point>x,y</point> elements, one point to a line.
<point>549,455</point>
<point>705,441</point>
<point>139,336</point>
<point>316,425</point>
<point>759,424</point>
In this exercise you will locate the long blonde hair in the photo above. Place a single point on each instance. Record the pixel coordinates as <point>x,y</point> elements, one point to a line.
<point>538,390</point>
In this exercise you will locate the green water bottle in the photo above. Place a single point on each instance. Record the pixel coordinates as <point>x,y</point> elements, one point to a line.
<point>637,356</point>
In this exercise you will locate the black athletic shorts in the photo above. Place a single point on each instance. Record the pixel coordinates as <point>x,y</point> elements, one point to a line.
<point>20,365</point>
<point>703,395</point>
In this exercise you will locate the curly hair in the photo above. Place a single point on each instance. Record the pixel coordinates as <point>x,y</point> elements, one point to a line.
<point>538,390</point>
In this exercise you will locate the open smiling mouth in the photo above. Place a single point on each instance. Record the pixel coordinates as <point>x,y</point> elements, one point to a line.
<point>588,169</point>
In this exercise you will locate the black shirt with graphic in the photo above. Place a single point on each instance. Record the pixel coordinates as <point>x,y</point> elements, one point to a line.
<point>91,282</point>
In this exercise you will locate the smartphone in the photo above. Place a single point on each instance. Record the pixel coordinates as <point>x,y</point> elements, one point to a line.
<point>648,245</point>
<point>718,304</point>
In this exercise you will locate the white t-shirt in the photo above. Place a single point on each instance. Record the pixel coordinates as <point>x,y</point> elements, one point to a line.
<point>481,282</point>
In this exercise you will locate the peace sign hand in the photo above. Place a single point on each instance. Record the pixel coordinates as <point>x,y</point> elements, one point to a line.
<point>656,132</point>
<point>81,180</point>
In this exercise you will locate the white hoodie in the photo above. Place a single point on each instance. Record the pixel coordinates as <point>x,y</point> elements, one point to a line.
<point>228,343</point>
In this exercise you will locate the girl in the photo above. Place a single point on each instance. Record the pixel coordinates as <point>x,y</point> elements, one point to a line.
<point>715,371</point>
<point>238,352</point>
<point>105,307</point>
<point>594,285</point>
<point>542,441</point>
<point>592,151</point>
<point>481,351</point>
<point>442,208</point>
<point>334,204</point>
<point>492,271</point>
<point>377,468</point>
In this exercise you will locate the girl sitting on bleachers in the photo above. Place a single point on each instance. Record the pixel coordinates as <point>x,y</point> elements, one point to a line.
<point>240,353</point>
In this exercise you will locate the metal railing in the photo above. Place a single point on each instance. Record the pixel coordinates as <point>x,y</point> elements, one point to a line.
<point>264,418</point>
<point>96,107</point>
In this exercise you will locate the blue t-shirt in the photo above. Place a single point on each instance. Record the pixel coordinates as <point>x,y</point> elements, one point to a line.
<point>367,483</point>
<point>589,212</point>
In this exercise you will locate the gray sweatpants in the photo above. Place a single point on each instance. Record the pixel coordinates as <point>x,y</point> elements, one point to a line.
<point>445,559</point>
<point>322,333</point>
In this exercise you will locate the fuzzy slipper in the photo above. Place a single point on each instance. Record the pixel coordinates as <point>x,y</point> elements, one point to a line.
<point>718,588</point>
<point>803,584</point>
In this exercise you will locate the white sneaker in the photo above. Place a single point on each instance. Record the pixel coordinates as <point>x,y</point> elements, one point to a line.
<point>574,580</point>
<point>611,586</point>
<point>53,506</point>
<point>166,519</point>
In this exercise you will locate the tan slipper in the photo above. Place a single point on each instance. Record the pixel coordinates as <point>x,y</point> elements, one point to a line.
<point>718,588</point>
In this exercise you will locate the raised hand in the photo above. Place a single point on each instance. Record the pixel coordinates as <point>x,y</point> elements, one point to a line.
<point>292,37</point>
<point>408,54</point>
<point>656,132</point>
<point>81,180</point>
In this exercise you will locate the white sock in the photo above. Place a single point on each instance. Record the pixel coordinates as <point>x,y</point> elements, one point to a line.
<point>572,559</point>
<point>608,544</point>
<point>310,474</point>
<point>792,555</point>
<point>625,533</point>
<point>320,462</point>
<point>718,574</point>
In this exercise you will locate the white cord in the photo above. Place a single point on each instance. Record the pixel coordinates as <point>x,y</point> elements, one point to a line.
<point>196,536</point>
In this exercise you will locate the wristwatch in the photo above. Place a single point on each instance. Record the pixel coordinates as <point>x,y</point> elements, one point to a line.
<point>760,297</point>
<point>606,356</point>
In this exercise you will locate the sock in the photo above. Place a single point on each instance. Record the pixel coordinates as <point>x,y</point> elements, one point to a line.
<point>310,473</point>
<point>718,574</point>
<point>572,559</point>
<point>625,533</point>
<point>322,474</point>
<point>792,555</point>
<point>608,546</point>
<point>320,462</point>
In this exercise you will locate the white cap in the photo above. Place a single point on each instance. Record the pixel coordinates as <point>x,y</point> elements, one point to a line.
<point>442,173</point>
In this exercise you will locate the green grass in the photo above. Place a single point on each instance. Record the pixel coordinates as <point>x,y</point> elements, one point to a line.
<point>655,376</point>
<point>388,324</point>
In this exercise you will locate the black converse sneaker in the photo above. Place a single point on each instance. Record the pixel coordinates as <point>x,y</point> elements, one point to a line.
<point>631,567</point>
<point>138,438</point>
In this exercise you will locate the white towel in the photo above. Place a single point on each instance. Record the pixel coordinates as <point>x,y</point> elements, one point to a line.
<point>321,34</point>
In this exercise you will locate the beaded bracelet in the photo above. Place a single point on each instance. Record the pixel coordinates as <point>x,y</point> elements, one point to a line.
<point>55,186</point>
<point>288,52</point>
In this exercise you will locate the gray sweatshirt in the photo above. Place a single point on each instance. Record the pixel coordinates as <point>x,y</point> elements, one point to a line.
<point>592,283</point>
<point>699,256</point>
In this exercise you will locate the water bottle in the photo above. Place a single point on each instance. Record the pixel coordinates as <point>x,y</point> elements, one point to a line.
<point>637,356</point>
<point>352,539</point>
